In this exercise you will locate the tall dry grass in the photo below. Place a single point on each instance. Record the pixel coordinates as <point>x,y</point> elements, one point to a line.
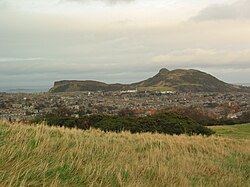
<point>52,156</point>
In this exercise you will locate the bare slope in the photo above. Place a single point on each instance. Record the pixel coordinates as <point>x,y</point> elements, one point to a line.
<point>50,156</point>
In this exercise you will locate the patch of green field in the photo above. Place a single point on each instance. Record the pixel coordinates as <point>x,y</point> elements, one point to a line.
<point>233,131</point>
<point>156,88</point>
<point>188,84</point>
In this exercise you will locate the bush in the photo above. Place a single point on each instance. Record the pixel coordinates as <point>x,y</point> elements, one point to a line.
<point>166,123</point>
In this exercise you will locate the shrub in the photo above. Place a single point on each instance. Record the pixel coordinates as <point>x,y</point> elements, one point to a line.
<point>166,123</point>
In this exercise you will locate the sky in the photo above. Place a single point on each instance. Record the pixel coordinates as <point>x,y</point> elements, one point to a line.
<point>122,41</point>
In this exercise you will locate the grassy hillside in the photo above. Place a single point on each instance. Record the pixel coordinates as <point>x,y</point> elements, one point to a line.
<point>52,156</point>
<point>233,131</point>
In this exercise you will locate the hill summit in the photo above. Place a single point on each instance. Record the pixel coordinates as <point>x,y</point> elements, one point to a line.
<point>176,80</point>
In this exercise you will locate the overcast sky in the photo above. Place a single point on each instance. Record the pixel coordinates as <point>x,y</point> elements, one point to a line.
<point>121,40</point>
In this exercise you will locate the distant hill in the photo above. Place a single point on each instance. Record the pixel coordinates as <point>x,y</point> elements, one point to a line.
<point>176,80</point>
<point>29,89</point>
<point>244,84</point>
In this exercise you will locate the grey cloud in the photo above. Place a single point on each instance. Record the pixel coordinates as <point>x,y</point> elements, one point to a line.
<point>238,10</point>
<point>205,58</point>
<point>11,59</point>
<point>3,5</point>
<point>106,1</point>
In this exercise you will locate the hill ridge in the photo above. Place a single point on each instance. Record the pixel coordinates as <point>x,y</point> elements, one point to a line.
<point>182,80</point>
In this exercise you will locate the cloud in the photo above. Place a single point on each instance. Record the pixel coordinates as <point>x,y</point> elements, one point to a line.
<point>237,10</point>
<point>3,4</point>
<point>10,59</point>
<point>204,58</point>
<point>106,1</point>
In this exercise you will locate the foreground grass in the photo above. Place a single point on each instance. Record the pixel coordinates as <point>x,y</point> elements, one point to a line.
<point>51,156</point>
<point>233,131</point>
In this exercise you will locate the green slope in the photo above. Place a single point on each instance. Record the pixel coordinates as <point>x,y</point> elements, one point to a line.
<point>233,131</point>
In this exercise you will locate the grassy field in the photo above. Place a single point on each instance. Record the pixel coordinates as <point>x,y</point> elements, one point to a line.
<point>233,131</point>
<point>52,156</point>
<point>155,88</point>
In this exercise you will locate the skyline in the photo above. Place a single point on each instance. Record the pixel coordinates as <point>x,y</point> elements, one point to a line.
<point>121,40</point>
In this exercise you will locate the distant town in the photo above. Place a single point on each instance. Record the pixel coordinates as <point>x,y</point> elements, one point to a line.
<point>28,106</point>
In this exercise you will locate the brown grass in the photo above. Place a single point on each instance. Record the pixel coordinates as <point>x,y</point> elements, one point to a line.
<point>52,156</point>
